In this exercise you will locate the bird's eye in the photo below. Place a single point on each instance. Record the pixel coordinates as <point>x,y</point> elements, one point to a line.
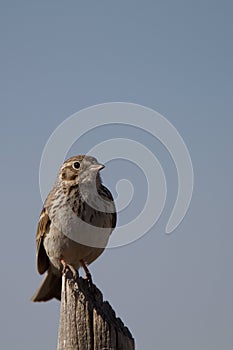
<point>76,165</point>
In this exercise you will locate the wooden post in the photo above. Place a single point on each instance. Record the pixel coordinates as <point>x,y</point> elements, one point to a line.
<point>86,321</point>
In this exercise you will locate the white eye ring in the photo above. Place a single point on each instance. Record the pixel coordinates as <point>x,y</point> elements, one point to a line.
<point>76,165</point>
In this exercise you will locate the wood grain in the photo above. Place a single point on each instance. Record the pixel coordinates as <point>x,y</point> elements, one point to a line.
<point>86,321</point>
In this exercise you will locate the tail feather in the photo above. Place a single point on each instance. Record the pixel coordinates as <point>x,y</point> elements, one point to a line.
<point>49,289</point>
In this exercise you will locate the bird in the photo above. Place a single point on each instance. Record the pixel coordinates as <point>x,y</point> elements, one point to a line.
<point>75,224</point>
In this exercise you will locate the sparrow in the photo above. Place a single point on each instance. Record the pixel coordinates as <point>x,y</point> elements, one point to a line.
<point>75,224</point>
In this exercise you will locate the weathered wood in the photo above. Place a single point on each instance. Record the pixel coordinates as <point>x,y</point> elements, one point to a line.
<point>87,322</point>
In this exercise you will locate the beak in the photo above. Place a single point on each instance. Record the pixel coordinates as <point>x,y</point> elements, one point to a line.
<point>97,167</point>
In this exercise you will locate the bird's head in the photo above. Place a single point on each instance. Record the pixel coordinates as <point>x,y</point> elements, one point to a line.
<point>80,169</point>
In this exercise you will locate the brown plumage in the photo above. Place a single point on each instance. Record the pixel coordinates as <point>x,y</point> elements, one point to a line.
<point>75,223</point>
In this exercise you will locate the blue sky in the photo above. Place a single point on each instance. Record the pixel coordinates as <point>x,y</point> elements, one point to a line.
<point>175,57</point>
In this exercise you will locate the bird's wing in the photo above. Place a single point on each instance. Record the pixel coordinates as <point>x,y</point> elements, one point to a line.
<point>42,230</point>
<point>107,195</point>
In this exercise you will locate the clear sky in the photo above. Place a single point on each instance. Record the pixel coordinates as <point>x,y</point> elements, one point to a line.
<point>173,292</point>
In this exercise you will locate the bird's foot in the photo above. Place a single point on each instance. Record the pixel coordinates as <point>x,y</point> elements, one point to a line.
<point>69,267</point>
<point>74,271</point>
<point>87,272</point>
<point>64,266</point>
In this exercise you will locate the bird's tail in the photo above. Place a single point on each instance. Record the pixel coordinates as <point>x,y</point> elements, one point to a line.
<point>50,288</point>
